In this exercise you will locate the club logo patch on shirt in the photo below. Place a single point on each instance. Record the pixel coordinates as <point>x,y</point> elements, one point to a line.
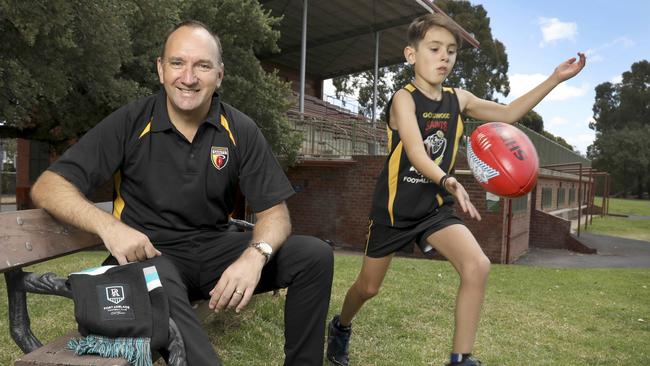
<point>219,156</point>
<point>435,146</point>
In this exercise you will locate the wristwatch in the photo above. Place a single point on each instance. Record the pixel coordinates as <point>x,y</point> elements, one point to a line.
<point>264,248</point>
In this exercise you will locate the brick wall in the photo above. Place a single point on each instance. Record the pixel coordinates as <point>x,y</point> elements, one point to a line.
<point>548,231</point>
<point>333,199</point>
<point>490,231</point>
<point>554,232</point>
<point>519,237</point>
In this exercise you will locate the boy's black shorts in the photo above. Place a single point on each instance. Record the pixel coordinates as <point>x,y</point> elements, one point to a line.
<point>384,240</point>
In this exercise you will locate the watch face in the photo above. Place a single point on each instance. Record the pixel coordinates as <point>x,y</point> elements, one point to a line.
<point>265,247</point>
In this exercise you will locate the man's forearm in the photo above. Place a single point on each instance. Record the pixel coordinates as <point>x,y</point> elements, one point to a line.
<point>273,226</point>
<point>63,200</point>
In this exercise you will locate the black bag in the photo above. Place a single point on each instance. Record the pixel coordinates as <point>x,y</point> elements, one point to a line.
<point>122,310</point>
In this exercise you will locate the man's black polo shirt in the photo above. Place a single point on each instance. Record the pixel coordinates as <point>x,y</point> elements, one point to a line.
<point>165,186</point>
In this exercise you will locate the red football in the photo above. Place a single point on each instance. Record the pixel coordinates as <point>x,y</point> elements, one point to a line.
<point>503,159</point>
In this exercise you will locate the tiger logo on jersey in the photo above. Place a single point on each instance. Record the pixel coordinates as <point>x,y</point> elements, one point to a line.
<point>435,145</point>
<point>219,156</point>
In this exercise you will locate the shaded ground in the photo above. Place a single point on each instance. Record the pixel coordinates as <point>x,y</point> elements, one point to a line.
<point>613,252</point>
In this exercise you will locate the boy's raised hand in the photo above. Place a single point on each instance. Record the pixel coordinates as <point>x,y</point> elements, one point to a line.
<point>458,191</point>
<point>570,67</point>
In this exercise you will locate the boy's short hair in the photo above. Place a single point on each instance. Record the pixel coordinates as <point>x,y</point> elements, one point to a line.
<point>421,25</point>
<point>192,24</point>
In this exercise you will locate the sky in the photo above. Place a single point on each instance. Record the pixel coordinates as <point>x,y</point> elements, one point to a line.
<point>540,34</point>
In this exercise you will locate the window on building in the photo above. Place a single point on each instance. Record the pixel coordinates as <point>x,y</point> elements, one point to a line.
<point>560,197</point>
<point>572,195</point>
<point>520,204</point>
<point>547,197</point>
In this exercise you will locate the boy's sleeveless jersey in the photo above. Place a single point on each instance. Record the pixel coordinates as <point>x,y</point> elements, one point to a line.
<point>403,196</point>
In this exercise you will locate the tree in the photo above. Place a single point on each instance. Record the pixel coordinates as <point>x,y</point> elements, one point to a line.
<point>625,154</point>
<point>622,125</point>
<point>67,64</point>
<point>482,71</point>
<point>533,121</point>
<point>61,65</point>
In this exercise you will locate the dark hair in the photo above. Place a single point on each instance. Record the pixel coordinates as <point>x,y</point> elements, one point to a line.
<point>421,25</point>
<point>191,24</point>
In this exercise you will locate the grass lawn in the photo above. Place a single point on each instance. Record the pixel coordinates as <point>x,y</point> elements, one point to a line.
<point>621,226</point>
<point>532,316</point>
<point>624,206</point>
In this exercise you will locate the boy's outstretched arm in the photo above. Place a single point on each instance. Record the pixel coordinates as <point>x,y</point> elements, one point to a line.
<point>402,118</point>
<point>486,110</point>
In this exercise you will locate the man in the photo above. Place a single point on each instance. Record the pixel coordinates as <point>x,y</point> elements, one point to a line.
<point>176,159</point>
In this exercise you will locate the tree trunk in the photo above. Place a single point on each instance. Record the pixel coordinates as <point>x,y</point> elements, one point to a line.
<point>624,181</point>
<point>639,189</point>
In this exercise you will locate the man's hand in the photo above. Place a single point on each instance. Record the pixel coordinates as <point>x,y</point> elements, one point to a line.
<point>127,244</point>
<point>237,283</point>
<point>458,191</point>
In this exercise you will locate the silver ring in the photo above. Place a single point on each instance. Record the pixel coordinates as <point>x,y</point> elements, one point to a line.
<point>240,293</point>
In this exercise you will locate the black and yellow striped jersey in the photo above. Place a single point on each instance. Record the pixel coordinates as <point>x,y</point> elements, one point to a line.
<point>403,196</point>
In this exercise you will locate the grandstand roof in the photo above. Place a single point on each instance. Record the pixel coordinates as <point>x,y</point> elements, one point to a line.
<point>341,33</point>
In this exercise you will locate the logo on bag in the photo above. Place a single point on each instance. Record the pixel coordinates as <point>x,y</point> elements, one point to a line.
<point>219,156</point>
<point>116,301</point>
<point>115,294</point>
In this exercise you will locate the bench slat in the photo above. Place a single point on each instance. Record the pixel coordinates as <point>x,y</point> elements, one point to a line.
<point>32,236</point>
<point>56,353</point>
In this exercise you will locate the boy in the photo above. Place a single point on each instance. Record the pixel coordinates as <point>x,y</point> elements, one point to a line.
<point>414,193</point>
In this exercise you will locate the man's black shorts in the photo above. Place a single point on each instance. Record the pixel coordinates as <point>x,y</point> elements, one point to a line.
<point>384,240</point>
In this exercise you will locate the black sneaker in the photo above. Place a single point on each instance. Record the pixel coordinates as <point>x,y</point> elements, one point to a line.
<point>469,361</point>
<point>338,341</point>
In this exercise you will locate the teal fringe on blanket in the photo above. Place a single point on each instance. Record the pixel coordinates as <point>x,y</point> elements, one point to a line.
<point>135,350</point>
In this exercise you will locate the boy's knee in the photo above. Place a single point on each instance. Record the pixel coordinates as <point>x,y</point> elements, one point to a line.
<point>366,290</point>
<point>476,268</point>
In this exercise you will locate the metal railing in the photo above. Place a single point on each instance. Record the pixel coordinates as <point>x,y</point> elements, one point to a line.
<point>338,138</point>
<point>342,138</point>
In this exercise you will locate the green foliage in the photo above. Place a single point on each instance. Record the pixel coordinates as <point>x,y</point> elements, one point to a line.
<point>624,206</point>
<point>67,64</point>
<point>61,64</point>
<point>622,125</point>
<point>621,227</point>
<point>533,121</point>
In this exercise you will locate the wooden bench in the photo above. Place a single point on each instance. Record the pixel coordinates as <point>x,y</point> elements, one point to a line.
<point>33,236</point>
